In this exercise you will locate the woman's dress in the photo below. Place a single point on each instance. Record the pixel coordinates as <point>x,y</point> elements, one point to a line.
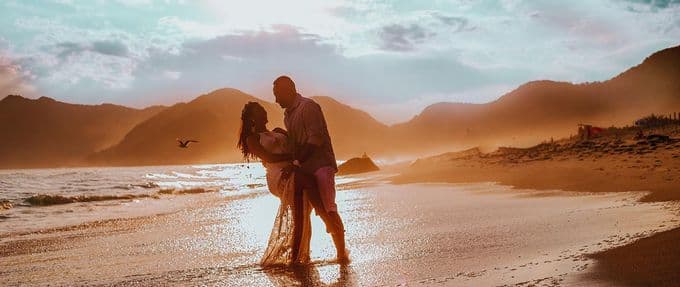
<point>279,249</point>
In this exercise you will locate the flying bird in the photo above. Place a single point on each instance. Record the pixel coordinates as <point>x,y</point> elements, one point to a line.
<point>185,144</point>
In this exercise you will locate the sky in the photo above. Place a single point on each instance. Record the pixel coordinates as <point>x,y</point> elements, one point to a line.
<point>389,58</point>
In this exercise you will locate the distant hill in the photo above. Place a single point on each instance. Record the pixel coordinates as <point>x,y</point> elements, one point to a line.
<point>538,110</point>
<point>48,133</point>
<point>214,120</point>
<point>353,131</point>
<point>44,132</point>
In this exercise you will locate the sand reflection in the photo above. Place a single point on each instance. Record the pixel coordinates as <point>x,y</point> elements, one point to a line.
<point>321,274</point>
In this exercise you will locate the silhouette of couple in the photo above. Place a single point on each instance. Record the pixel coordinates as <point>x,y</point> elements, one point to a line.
<point>300,168</point>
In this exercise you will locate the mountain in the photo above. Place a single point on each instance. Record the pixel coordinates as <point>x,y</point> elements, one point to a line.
<point>48,133</point>
<point>353,131</point>
<point>45,132</point>
<point>214,120</point>
<point>543,109</point>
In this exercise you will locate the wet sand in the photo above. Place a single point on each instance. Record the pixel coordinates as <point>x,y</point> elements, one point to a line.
<point>651,261</point>
<point>414,234</point>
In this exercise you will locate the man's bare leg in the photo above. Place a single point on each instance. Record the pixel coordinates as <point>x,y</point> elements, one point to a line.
<point>332,220</point>
<point>338,235</point>
<point>335,228</point>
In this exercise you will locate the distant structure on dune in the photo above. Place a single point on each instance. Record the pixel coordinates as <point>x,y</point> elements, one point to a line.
<point>587,131</point>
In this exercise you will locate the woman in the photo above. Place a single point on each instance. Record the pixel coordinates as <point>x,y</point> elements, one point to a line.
<point>289,240</point>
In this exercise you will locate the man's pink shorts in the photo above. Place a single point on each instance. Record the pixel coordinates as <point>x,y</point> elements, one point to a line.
<point>325,180</point>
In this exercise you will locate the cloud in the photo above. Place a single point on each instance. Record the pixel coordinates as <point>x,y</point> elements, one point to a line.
<point>366,53</point>
<point>344,11</point>
<point>173,75</point>
<point>112,48</point>
<point>14,80</point>
<point>457,23</point>
<point>254,45</point>
<point>108,48</point>
<point>250,60</point>
<point>661,4</point>
<point>398,37</point>
<point>68,49</point>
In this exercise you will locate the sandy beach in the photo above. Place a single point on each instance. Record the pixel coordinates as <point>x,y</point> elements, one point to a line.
<point>610,164</point>
<point>412,234</point>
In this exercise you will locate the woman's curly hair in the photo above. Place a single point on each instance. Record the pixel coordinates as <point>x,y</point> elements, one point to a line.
<point>247,126</point>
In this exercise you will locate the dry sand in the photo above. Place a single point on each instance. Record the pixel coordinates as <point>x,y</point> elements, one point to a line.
<point>609,164</point>
<point>413,234</point>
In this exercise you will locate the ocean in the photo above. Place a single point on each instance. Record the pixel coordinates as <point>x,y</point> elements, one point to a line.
<point>48,198</point>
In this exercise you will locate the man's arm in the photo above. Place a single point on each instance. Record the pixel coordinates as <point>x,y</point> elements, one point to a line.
<point>313,122</point>
<point>281,131</point>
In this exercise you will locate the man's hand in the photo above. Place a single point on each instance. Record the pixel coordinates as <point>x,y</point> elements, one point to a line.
<point>280,130</point>
<point>287,171</point>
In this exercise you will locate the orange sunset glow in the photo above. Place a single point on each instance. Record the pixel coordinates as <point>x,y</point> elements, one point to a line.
<point>340,143</point>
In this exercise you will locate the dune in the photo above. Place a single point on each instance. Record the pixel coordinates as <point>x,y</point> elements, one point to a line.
<point>608,164</point>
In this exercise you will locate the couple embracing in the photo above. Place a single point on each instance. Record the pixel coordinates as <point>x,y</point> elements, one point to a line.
<point>300,168</point>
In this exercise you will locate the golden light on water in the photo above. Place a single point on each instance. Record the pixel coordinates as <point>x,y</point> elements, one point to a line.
<point>401,234</point>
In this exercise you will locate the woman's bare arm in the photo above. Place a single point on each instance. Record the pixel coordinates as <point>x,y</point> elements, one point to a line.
<point>281,131</point>
<point>258,150</point>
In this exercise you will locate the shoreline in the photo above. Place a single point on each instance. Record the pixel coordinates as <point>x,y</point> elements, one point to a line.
<point>203,243</point>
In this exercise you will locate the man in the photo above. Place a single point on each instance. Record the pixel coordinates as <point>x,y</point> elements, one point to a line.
<point>313,155</point>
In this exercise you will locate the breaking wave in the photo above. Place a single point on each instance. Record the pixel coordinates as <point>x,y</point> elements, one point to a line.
<point>5,204</point>
<point>48,199</point>
<point>52,199</point>
<point>186,191</point>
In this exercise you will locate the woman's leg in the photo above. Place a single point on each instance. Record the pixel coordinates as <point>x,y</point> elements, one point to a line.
<point>298,219</point>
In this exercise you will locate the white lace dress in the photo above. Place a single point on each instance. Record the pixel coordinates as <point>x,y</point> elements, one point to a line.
<point>279,248</point>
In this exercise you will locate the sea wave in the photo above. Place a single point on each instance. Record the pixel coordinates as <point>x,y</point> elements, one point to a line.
<point>149,184</point>
<point>186,191</point>
<point>5,204</point>
<point>51,199</point>
<point>159,176</point>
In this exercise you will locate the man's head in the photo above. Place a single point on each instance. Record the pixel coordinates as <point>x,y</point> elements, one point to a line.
<point>284,91</point>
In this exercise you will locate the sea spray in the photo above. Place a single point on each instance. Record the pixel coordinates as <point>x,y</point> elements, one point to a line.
<point>185,191</point>
<point>5,204</point>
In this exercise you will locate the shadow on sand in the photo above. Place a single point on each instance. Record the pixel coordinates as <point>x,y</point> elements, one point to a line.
<point>321,274</point>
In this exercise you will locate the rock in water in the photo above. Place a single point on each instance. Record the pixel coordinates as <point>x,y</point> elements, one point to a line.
<point>357,165</point>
